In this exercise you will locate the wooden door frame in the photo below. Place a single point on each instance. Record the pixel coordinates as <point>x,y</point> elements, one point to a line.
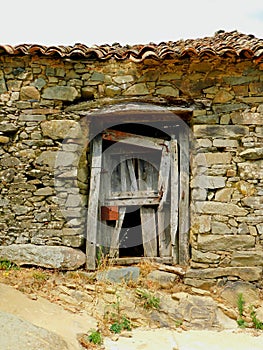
<point>182,210</point>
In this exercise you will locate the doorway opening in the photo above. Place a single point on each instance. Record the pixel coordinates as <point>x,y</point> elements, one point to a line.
<point>139,189</point>
<point>131,244</point>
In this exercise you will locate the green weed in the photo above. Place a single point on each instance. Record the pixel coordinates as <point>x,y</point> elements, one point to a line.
<point>149,300</point>
<point>256,322</point>
<point>7,265</point>
<point>118,321</point>
<point>240,304</point>
<point>117,326</point>
<point>178,323</point>
<point>95,337</point>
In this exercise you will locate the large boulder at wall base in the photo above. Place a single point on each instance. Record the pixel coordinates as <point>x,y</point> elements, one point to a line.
<point>16,333</point>
<point>55,257</point>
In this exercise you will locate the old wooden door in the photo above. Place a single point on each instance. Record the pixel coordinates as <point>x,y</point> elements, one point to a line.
<point>133,170</point>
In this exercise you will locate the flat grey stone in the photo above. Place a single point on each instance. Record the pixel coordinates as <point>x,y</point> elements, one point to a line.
<point>62,93</point>
<point>225,242</point>
<point>162,277</point>
<point>119,275</point>
<point>16,333</point>
<point>244,273</point>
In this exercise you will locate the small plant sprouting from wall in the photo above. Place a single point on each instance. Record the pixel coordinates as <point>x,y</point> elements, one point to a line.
<point>240,305</point>
<point>149,300</point>
<point>257,324</point>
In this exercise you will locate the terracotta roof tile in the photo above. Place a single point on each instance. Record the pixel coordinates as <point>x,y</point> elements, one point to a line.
<point>221,44</point>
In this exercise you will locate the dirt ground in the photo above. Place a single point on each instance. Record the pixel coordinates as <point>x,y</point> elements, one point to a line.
<point>75,305</point>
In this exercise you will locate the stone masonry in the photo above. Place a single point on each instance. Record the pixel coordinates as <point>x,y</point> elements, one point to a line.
<point>43,100</point>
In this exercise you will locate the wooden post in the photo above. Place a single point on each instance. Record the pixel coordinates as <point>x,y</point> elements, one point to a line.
<point>184,214</point>
<point>163,211</point>
<point>92,220</point>
<point>174,200</point>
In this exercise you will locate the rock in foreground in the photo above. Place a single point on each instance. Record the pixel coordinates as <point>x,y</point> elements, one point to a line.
<point>55,257</point>
<point>18,334</point>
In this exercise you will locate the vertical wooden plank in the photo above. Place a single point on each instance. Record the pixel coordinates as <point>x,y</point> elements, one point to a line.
<point>115,242</point>
<point>164,173</point>
<point>184,213</point>
<point>142,175</point>
<point>123,175</point>
<point>148,225</point>
<point>174,200</point>
<point>134,186</point>
<point>92,220</point>
<point>103,229</point>
<point>163,215</point>
<point>164,229</point>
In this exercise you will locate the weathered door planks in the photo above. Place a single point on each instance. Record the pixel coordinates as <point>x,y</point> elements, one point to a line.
<point>114,247</point>
<point>174,200</point>
<point>164,200</point>
<point>148,225</point>
<point>92,220</point>
<point>184,218</point>
<point>162,214</point>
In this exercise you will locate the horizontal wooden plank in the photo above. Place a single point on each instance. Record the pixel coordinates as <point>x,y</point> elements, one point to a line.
<point>137,140</point>
<point>137,194</point>
<point>132,201</point>
<point>137,260</point>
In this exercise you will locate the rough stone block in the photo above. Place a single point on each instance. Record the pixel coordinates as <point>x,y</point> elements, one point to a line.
<point>62,93</point>
<point>8,128</point>
<point>119,275</point>
<point>29,93</point>
<point>244,273</point>
<point>208,159</point>
<point>168,91</point>
<point>224,242</point>
<point>219,131</point>
<point>207,258</point>
<point>203,181</point>
<point>223,96</point>
<point>253,202</point>
<point>228,209</point>
<point>247,258</point>
<point>252,153</point>
<point>224,195</point>
<point>60,129</point>
<point>4,139</point>
<point>162,277</point>
<point>247,118</point>
<point>137,89</point>
<point>231,291</point>
<point>47,158</point>
<point>225,143</point>
<point>202,223</point>
<point>45,191</point>
<point>220,228</point>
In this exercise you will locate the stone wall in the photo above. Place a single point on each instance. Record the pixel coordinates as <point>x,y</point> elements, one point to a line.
<point>43,102</point>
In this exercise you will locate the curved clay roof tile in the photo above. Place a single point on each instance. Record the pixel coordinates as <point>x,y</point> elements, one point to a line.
<point>221,44</point>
